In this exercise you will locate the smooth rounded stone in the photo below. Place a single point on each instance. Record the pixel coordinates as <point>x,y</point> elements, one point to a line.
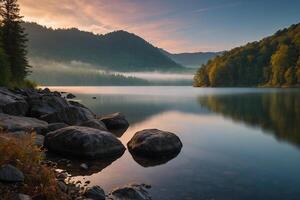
<point>46,104</point>
<point>115,123</point>
<point>9,173</point>
<point>95,193</point>
<point>21,197</point>
<point>130,192</point>
<point>11,103</point>
<point>71,115</point>
<point>70,96</point>
<point>16,123</point>
<point>94,123</point>
<point>83,142</point>
<point>154,143</point>
<point>153,161</point>
<point>53,127</point>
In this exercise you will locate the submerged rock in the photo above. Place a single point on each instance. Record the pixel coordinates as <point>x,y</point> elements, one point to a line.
<point>70,115</point>
<point>9,173</point>
<point>70,96</point>
<point>95,193</point>
<point>11,103</point>
<point>115,123</point>
<point>130,192</point>
<point>83,142</point>
<point>154,143</point>
<point>16,123</point>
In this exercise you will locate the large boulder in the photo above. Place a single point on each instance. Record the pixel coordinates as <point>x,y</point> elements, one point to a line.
<point>115,123</point>
<point>46,104</point>
<point>94,123</point>
<point>16,123</point>
<point>95,193</point>
<point>130,192</point>
<point>53,127</point>
<point>11,103</point>
<point>9,173</point>
<point>154,143</point>
<point>71,115</point>
<point>83,142</point>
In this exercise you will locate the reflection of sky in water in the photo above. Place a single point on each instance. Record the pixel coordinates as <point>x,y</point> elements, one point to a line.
<point>221,158</point>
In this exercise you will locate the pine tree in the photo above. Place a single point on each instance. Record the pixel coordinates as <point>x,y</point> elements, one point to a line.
<point>14,40</point>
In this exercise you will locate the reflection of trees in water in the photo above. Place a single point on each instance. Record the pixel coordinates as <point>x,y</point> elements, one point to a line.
<point>277,112</point>
<point>138,108</point>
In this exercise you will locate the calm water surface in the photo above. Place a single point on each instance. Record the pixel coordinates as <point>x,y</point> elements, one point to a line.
<point>238,144</point>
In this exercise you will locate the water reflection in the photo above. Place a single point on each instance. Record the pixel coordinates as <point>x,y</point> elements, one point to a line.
<point>74,169</point>
<point>278,113</point>
<point>151,162</point>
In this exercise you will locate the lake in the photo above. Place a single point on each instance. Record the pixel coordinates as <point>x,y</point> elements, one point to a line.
<point>237,143</point>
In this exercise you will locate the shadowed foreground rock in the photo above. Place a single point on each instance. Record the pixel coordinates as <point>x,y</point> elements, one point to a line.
<point>95,193</point>
<point>83,142</point>
<point>12,104</point>
<point>15,123</point>
<point>9,173</point>
<point>130,192</point>
<point>154,143</point>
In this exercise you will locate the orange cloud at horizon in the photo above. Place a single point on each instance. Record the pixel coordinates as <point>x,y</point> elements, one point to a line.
<point>103,16</point>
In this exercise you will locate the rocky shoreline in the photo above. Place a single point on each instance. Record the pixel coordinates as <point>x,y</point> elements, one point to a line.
<point>67,128</point>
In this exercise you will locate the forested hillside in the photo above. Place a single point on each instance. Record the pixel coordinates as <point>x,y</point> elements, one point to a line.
<point>118,51</point>
<point>273,62</point>
<point>192,60</point>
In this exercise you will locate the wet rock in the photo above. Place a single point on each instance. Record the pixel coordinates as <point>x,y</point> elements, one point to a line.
<point>95,193</point>
<point>70,96</point>
<point>70,115</point>
<point>9,173</point>
<point>83,142</point>
<point>154,143</point>
<point>94,97</point>
<point>93,123</point>
<point>46,104</point>
<point>130,192</point>
<point>53,127</point>
<point>115,123</point>
<point>153,161</point>
<point>62,186</point>
<point>21,197</point>
<point>16,123</point>
<point>84,166</point>
<point>11,103</point>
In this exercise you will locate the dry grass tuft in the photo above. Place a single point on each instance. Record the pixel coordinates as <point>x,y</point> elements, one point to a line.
<point>25,155</point>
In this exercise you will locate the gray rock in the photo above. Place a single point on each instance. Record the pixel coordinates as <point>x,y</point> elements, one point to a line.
<point>62,186</point>
<point>9,173</point>
<point>70,96</point>
<point>53,127</point>
<point>39,140</point>
<point>94,123</point>
<point>11,103</point>
<point>84,166</point>
<point>115,123</point>
<point>154,143</point>
<point>21,197</point>
<point>46,104</point>
<point>16,123</point>
<point>83,142</point>
<point>130,192</point>
<point>95,193</point>
<point>71,115</point>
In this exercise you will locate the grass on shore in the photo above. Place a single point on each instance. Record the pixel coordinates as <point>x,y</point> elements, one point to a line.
<point>26,156</point>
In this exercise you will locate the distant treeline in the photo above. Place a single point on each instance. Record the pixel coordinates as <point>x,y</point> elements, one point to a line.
<point>271,62</point>
<point>14,66</point>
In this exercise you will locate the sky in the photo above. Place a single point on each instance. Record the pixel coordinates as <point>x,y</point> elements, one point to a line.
<point>175,25</point>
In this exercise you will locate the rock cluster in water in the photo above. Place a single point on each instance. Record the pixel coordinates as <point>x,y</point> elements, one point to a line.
<point>69,128</point>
